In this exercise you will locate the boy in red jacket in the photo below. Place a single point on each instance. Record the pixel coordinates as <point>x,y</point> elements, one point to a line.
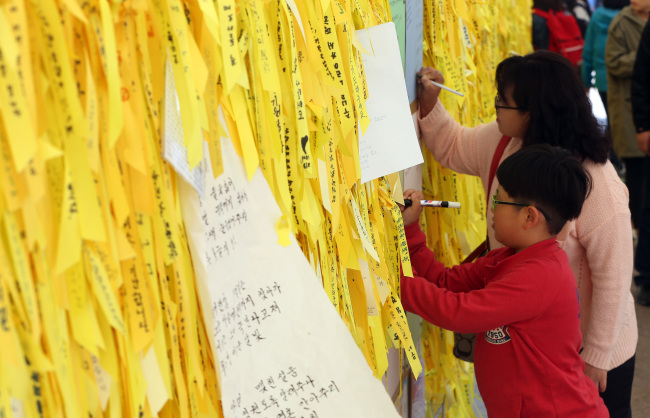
<point>521,300</point>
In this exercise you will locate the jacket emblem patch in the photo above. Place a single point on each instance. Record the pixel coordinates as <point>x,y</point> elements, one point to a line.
<point>497,336</point>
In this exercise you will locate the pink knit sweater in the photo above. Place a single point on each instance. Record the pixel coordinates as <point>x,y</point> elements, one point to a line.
<point>598,243</point>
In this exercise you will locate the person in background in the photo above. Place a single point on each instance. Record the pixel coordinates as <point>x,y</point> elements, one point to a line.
<point>541,35</point>
<point>556,29</point>
<point>516,296</point>
<point>541,100</point>
<point>641,113</point>
<point>581,11</point>
<point>593,54</point>
<point>620,54</point>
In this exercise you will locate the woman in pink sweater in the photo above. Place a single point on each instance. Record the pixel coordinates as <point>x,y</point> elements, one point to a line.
<point>541,100</point>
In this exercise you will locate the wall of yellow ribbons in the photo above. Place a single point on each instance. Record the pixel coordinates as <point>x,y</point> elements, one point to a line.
<point>466,41</point>
<point>98,308</point>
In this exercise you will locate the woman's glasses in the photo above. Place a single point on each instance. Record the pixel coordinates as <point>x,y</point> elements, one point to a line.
<point>497,106</point>
<point>496,202</point>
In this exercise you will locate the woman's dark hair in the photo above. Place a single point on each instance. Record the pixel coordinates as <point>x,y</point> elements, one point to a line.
<point>547,5</point>
<point>616,4</point>
<point>547,85</point>
<point>549,178</point>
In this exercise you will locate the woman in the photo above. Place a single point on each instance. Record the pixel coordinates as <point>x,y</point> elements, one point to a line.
<point>541,100</point>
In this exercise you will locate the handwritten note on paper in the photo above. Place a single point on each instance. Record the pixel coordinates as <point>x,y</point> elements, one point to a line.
<point>390,143</point>
<point>414,34</point>
<point>280,346</point>
<point>174,149</point>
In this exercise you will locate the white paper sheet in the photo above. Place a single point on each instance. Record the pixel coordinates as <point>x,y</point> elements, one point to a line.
<point>390,143</point>
<point>280,344</point>
<point>175,151</point>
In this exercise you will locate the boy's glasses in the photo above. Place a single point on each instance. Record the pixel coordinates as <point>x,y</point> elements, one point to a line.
<point>496,202</point>
<point>497,106</point>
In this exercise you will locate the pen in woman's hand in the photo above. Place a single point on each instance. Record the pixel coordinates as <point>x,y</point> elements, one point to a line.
<point>442,86</point>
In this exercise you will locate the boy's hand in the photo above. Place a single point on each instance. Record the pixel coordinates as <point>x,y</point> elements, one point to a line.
<point>412,213</point>
<point>427,92</point>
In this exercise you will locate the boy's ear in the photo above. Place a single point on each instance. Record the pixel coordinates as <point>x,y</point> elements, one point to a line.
<point>533,217</point>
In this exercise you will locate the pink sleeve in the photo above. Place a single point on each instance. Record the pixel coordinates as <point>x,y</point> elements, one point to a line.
<point>604,231</point>
<point>464,150</point>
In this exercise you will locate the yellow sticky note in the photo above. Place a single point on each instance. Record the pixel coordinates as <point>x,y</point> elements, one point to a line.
<point>398,319</point>
<point>403,246</point>
<point>363,232</point>
<point>13,103</point>
<point>11,351</point>
<point>104,292</point>
<point>371,301</point>
<point>232,60</point>
<point>12,190</point>
<point>23,273</point>
<point>157,394</point>
<point>283,230</point>
<point>379,344</point>
<point>246,139</point>
<point>89,212</point>
<point>106,38</point>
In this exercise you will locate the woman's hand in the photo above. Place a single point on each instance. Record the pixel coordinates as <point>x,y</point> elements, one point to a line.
<point>643,141</point>
<point>412,213</point>
<point>599,376</point>
<point>427,92</point>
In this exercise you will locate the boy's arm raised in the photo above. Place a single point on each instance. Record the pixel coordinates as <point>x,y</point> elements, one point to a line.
<point>461,278</point>
<point>517,297</point>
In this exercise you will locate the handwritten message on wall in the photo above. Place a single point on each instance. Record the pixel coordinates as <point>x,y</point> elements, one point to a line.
<point>280,346</point>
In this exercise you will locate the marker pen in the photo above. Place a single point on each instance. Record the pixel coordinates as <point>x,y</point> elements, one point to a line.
<point>443,86</point>
<point>434,203</point>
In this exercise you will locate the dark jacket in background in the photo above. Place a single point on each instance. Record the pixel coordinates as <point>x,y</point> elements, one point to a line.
<point>540,32</point>
<point>641,83</point>
<point>620,54</point>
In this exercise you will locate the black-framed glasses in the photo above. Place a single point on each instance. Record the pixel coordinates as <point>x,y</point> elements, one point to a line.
<point>497,106</point>
<point>496,202</point>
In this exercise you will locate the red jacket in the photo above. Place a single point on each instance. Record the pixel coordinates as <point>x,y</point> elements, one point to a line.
<point>524,308</point>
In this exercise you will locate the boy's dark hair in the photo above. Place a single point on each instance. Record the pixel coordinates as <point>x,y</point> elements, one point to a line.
<point>549,178</point>
<point>547,86</point>
<point>616,4</point>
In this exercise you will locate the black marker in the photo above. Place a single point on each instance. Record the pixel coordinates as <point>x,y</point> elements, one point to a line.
<point>434,203</point>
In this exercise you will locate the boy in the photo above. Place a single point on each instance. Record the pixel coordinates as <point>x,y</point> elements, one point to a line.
<point>521,300</point>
